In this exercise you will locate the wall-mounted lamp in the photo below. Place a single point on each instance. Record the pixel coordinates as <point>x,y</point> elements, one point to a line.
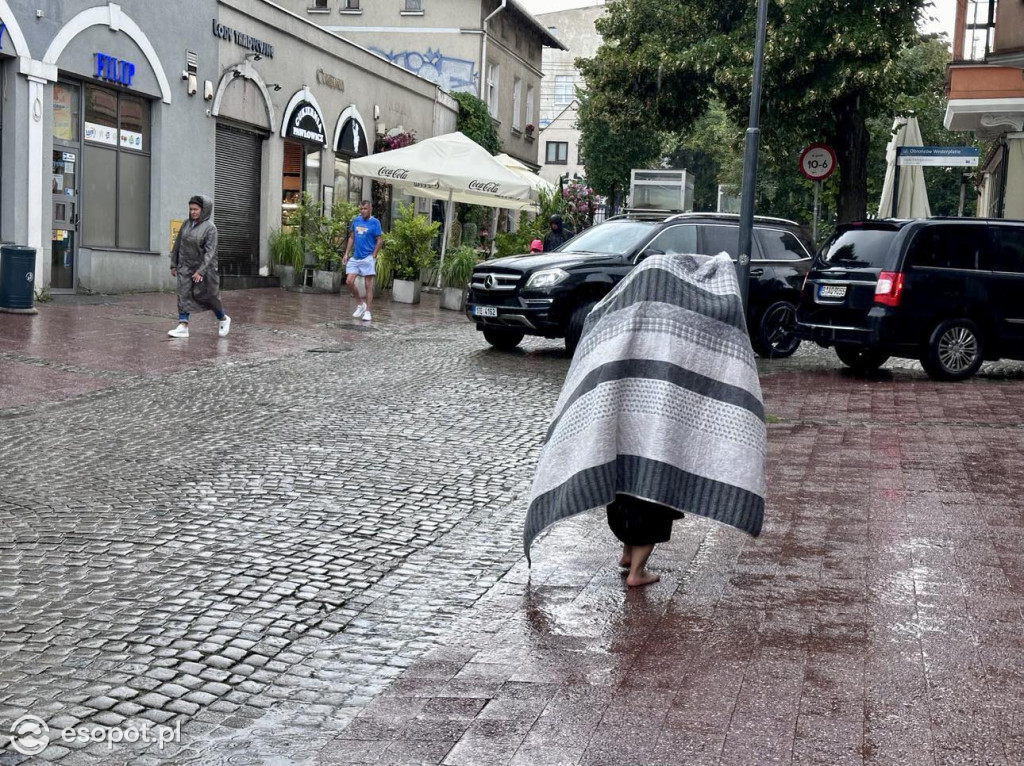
<point>274,86</point>
<point>236,73</point>
<point>376,112</point>
<point>254,56</point>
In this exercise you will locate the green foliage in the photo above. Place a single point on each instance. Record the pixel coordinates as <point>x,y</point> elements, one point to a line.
<point>612,153</point>
<point>407,245</point>
<point>530,227</point>
<point>286,248</point>
<point>458,266</point>
<point>829,67</point>
<point>328,241</point>
<point>474,121</point>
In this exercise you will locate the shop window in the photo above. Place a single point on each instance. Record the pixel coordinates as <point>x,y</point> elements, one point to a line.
<point>291,179</point>
<point>66,117</point>
<point>557,152</point>
<point>116,170</point>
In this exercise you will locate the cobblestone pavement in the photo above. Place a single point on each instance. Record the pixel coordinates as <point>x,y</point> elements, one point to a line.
<point>316,558</point>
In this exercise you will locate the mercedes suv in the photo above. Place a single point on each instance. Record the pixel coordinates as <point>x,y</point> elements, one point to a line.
<point>550,294</point>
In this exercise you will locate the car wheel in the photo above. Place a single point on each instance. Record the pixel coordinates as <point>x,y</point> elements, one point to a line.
<point>575,331</point>
<point>506,340</point>
<point>775,337</point>
<point>861,359</point>
<point>955,350</point>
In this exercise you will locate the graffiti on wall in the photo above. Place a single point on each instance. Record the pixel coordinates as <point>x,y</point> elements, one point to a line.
<point>450,74</point>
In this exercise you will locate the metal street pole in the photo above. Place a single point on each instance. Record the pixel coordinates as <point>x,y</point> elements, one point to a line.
<point>750,149</point>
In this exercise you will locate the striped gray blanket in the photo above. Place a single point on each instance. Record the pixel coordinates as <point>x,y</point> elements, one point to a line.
<point>662,401</point>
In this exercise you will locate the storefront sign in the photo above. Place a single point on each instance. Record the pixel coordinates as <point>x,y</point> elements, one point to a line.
<point>352,141</point>
<point>114,70</point>
<point>330,80</point>
<point>3,28</point>
<point>131,140</point>
<point>240,38</point>
<point>306,124</point>
<point>175,227</point>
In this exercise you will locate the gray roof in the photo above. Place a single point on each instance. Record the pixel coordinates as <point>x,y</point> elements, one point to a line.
<point>547,39</point>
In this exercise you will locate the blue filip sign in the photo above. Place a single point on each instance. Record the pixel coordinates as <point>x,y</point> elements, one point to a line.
<point>3,28</point>
<point>114,70</point>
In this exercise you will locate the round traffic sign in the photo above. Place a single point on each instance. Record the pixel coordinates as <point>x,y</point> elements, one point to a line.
<point>817,162</point>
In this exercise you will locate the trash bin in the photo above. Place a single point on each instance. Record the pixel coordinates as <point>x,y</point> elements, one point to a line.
<point>17,279</point>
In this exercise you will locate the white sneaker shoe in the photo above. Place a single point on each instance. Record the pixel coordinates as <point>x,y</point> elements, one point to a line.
<point>224,326</point>
<point>181,331</point>
<point>366,315</point>
<point>359,311</point>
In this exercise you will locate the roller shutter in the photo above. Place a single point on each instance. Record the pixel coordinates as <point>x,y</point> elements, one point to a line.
<point>237,203</point>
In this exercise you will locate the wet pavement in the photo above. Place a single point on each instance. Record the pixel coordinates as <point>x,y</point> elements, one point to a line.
<point>301,544</point>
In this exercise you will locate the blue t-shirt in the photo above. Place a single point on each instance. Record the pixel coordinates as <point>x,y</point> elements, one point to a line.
<point>365,233</point>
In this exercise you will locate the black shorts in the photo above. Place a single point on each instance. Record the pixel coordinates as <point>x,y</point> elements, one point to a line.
<point>641,522</point>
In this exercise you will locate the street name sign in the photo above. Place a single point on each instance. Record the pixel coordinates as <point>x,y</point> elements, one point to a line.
<point>937,156</point>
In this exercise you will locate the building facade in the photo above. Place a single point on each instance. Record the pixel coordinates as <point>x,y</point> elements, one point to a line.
<point>490,48</point>
<point>985,92</point>
<point>558,146</point>
<point>113,115</point>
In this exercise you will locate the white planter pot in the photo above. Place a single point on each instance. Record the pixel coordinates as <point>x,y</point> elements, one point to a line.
<point>328,281</point>
<point>405,291</point>
<point>452,298</point>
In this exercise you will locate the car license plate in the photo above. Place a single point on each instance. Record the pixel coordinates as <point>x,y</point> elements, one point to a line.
<point>485,311</point>
<point>832,291</point>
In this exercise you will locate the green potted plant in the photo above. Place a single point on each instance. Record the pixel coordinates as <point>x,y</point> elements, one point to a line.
<point>285,250</point>
<point>327,244</point>
<point>408,251</point>
<point>455,275</point>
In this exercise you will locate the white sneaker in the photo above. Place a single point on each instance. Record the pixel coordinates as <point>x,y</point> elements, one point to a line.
<point>359,311</point>
<point>224,326</point>
<point>181,331</point>
<point>366,315</point>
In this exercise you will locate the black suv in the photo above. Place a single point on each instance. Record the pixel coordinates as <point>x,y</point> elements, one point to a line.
<point>550,294</point>
<point>947,291</point>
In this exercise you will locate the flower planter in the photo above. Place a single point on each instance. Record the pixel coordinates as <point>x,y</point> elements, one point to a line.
<point>328,281</point>
<point>286,274</point>
<point>453,298</point>
<point>406,291</point>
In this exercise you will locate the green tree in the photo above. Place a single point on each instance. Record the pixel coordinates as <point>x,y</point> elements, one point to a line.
<point>611,154</point>
<point>474,121</point>
<point>829,67</point>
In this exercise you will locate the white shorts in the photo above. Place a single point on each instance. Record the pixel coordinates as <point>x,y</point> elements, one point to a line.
<point>363,267</point>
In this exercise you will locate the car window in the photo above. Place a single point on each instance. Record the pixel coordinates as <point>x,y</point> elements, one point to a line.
<point>717,239</point>
<point>779,245</point>
<point>859,247</point>
<point>676,240</point>
<point>610,237</point>
<point>1008,249</point>
<point>947,247</point>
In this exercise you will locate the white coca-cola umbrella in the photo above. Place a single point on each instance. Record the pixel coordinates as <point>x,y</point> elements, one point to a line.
<point>451,167</point>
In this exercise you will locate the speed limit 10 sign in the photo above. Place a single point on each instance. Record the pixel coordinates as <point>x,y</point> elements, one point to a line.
<point>817,162</point>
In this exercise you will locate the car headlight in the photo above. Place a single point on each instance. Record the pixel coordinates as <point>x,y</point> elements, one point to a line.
<point>546,278</point>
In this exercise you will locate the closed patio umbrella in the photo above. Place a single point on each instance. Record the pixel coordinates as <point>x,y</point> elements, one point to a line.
<point>912,198</point>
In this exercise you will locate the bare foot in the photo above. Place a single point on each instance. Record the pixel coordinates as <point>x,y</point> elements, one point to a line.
<point>641,578</point>
<point>627,558</point>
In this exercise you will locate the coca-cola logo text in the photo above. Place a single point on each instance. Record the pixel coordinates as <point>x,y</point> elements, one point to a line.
<point>484,186</point>
<point>397,173</point>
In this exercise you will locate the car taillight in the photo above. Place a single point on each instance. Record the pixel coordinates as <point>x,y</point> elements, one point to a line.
<point>889,288</point>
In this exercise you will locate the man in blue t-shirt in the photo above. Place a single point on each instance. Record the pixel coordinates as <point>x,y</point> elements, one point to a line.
<point>364,241</point>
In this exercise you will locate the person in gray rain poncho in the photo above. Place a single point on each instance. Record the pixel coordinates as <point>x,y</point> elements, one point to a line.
<point>660,413</point>
<point>194,263</point>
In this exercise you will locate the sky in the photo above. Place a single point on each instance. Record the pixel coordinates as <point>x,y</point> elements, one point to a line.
<point>943,10</point>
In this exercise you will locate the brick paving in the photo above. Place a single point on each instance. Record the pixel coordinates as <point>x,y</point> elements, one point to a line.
<point>316,557</point>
